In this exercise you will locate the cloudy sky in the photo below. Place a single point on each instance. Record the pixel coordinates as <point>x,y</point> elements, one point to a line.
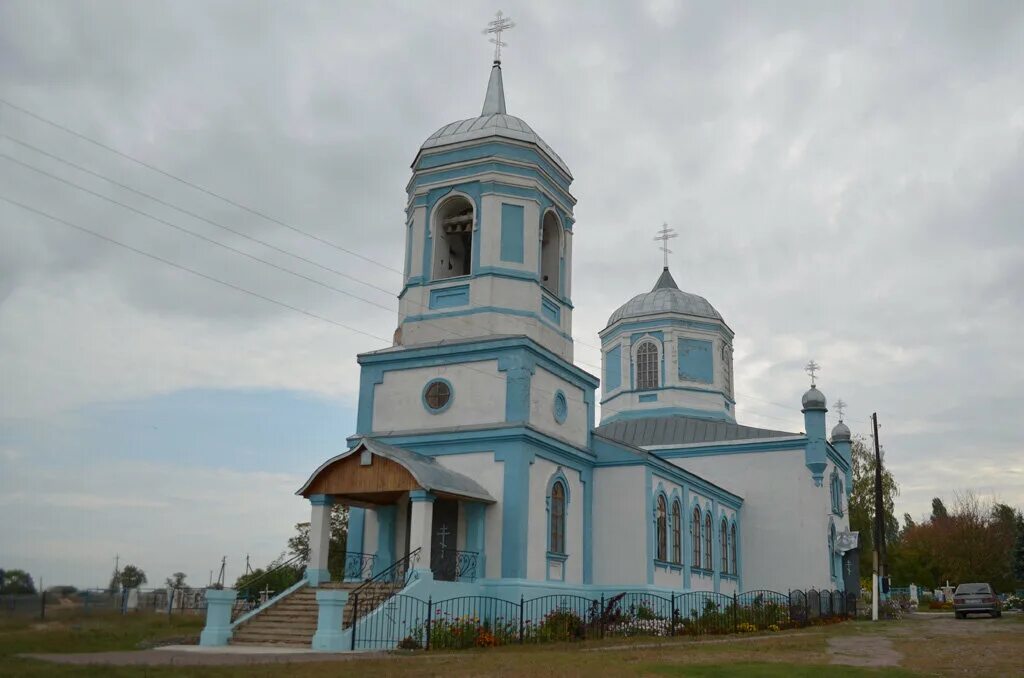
<point>847,183</point>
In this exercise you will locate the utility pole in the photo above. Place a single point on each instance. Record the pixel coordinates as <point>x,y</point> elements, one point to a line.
<point>878,554</point>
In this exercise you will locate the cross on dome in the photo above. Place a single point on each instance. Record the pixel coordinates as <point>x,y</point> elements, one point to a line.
<point>496,26</point>
<point>664,235</point>
<point>840,406</point>
<point>811,368</point>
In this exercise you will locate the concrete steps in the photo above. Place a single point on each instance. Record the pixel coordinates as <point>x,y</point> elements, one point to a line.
<point>292,621</point>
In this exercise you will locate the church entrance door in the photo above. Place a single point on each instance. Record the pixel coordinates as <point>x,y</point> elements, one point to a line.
<point>445,527</point>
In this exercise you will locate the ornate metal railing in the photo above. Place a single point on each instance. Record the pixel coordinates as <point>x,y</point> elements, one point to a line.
<point>283,574</point>
<point>359,566</point>
<point>373,592</point>
<point>454,565</point>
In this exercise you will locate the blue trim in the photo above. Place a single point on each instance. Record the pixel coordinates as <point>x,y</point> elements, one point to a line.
<point>586,479</point>
<point>665,411</point>
<point>624,326</point>
<point>356,523</point>
<point>421,495</point>
<point>476,540</point>
<point>449,297</point>
<point>385,537</point>
<point>557,477</point>
<point>648,397</point>
<point>649,518</point>
<point>321,500</point>
<point>794,444</point>
<point>451,396</point>
<point>696,361</point>
<point>489,309</point>
<point>673,500</point>
<point>550,310</point>
<point>685,534</point>
<point>429,158</point>
<point>613,369</point>
<point>560,407</point>
<point>515,511</point>
<point>512,233</point>
<point>692,389</point>
<point>519,371</point>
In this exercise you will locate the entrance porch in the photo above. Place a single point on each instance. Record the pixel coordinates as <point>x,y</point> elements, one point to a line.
<point>406,511</point>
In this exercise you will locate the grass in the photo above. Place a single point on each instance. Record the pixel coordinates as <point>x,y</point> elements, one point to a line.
<point>928,645</point>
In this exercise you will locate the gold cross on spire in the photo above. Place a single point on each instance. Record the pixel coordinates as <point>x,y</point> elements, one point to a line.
<point>499,24</point>
<point>664,235</point>
<point>810,369</point>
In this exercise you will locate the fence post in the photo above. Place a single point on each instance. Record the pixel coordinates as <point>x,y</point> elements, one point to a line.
<point>430,619</point>
<point>42,606</point>
<point>521,603</point>
<point>672,626</point>
<point>601,618</point>
<point>355,620</point>
<point>735,613</point>
<point>807,609</point>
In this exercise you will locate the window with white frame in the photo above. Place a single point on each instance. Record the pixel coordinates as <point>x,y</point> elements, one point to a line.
<point>647,367</point>
<point>695,536</point>
<point>677,532</point>
<point>662,551</point>
<point>724,539</point>
<point>556,542</point>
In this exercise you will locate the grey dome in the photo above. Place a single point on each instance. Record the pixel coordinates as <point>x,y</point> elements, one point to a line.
<point>492,122</point>
<point>814,399</point>
<point>666,297</point>
<point>841,432</point>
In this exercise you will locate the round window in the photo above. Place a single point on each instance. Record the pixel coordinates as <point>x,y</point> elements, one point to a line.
<point>437,396</point>
<point>560,407</point>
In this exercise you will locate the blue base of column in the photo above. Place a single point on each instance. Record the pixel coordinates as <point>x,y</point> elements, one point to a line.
<point>317,577</point>
<point>218,617</point>
<point>423,573</point>
<point>329,636</point>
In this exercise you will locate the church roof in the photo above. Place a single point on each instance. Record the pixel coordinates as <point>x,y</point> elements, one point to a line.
<point>665,297</point>
<point>428,473</point>
<point>493,121</point>
<point>678,429</point>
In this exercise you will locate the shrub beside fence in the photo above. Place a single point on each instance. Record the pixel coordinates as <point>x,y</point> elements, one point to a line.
<point>483,621</point>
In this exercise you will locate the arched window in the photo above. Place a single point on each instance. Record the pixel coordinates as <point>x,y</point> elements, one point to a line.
<point>732,551</point>
<point>709,558</point>
<point>453,238</point>
<point>832,550</point>
<point>695,536</point>
<point>550,253</point>
<point>557,536</point>
<point>677,532</point>
<point>724,539</point>
<point>662,551</point>
<point>836,487</point>
<point>647,365</point>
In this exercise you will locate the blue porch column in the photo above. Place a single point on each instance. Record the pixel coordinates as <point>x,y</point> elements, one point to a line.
<point>354,543</point>
<point>218,617</point>
<point>420,531</point>
<point>385,538</point>
<point>475,512</point>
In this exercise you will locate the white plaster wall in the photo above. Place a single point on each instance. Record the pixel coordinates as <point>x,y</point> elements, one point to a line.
<point>490,253</point>
<point>620,538</point>
<point>481,467</point>
<point>543,386</point>
<point>729,587</point>
<point>784,519</point>
<point>701,582</point>
<point>479,397</point>
<point>537,538</point>
<point>668,578</point>
<point>419,215</point>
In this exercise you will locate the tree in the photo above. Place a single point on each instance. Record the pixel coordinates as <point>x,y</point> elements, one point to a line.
<point>176,581</point>
<point>17,581</point>
<point>298,545</point>
<point>1018,551</point>
<point>862,500</point>
<point>939,511</point>
<point>132,577</point>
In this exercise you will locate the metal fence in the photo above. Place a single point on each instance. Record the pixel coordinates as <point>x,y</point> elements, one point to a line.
<point>408,622</point>
<point>89,601</point>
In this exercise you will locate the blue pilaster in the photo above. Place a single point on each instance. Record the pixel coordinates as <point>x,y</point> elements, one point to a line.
<point>386,516</point>
<point>518,369</point>
<point>716,547</point>
<point>356,523</point>
<point>515,511</point>
<point>475,536</point>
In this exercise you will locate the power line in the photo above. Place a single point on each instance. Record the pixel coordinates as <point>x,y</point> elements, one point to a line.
<point>255,212</point>
<point>187,269</point>
<point>200,217</point>
<point>195,186</point>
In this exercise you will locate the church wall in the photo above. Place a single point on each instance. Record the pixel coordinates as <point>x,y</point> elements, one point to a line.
<point>783,535</point>
<point>620,540</point>
<point>370,529</point>
<point>490,233</point>
<point>414,243</point>
<point>543,387</point>
<point>482,468</point>
<point>478,397</point>
<point>537,564</point>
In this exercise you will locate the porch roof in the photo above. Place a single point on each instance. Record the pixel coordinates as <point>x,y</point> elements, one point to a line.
<point>427,473</point>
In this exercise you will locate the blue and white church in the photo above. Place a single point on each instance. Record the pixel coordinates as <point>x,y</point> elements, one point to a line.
<point>477,458</point>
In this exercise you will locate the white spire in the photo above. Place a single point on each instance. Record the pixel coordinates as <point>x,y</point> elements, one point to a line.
<point>494,100</point>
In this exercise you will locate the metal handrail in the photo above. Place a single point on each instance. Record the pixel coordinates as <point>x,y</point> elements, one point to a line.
<point>291,562</point>
<point>399,568</point>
